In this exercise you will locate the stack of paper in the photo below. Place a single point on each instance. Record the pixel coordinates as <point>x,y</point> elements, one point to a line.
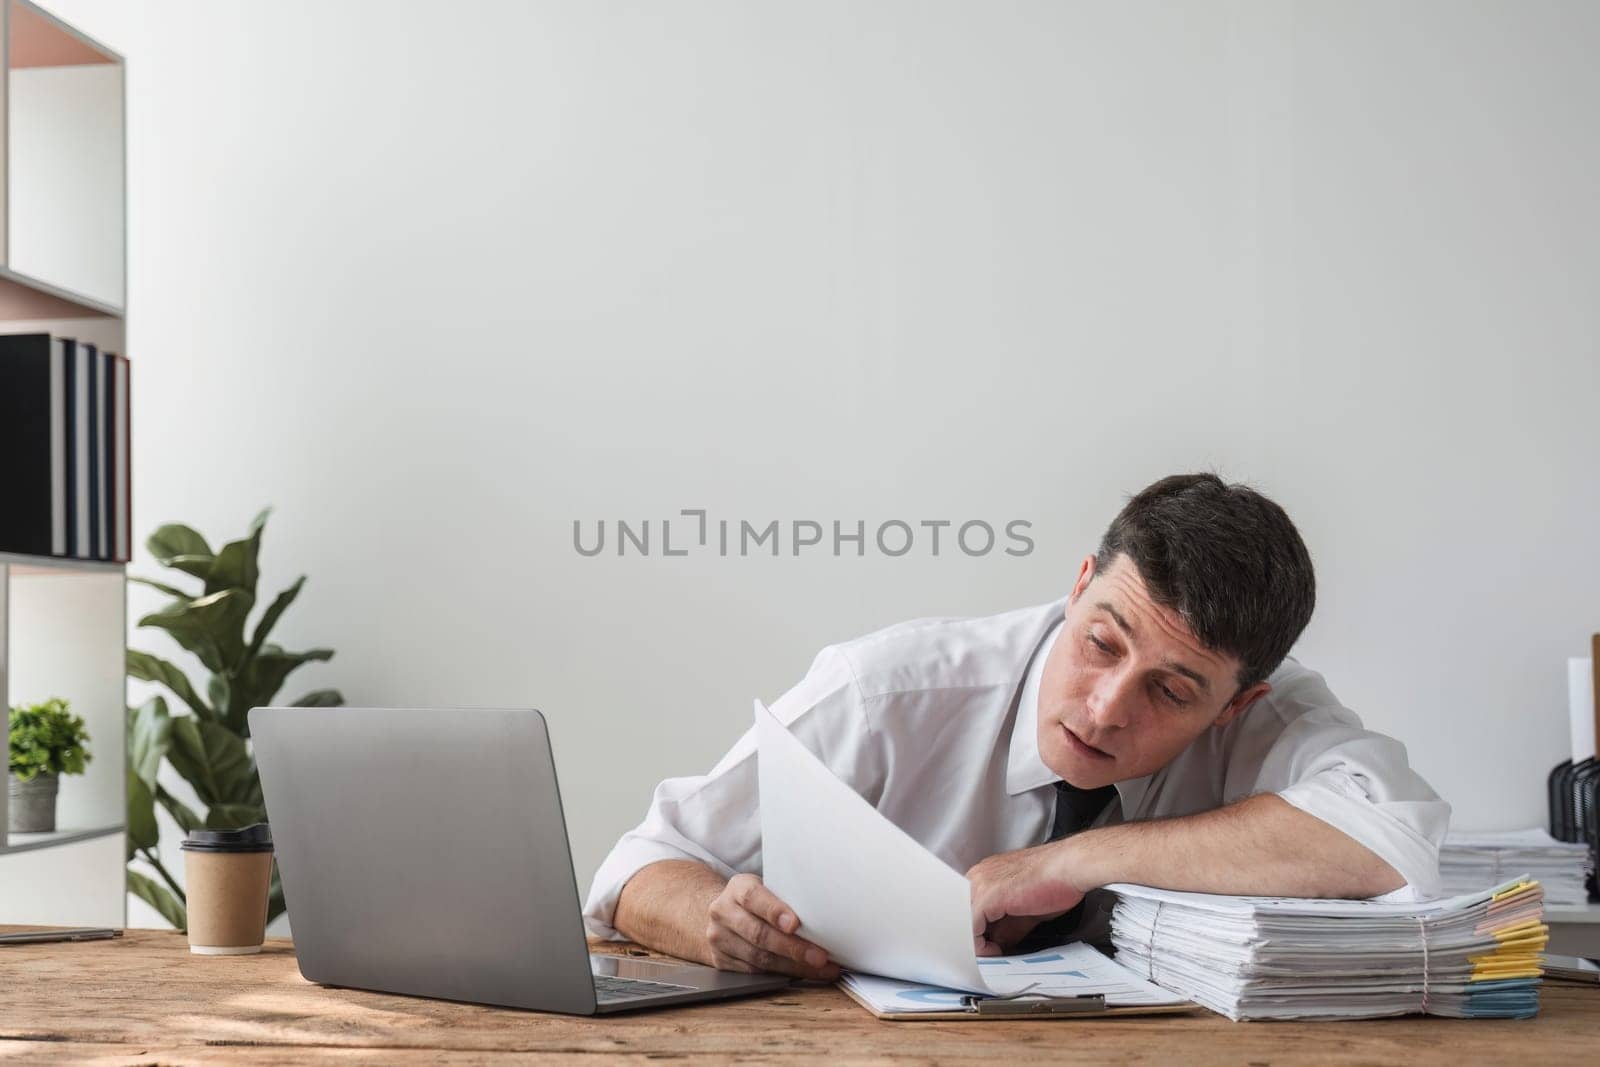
<point>1472,861</point>
<point>1073,970</point>
<point>1470,956</point>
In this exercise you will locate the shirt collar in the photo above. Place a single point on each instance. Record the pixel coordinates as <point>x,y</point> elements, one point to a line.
<point>1025,769</point>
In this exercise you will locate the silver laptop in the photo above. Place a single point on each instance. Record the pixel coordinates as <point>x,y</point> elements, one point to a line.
<point>425,852</point>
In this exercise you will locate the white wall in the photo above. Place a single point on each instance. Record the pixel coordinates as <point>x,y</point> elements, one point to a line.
<point>437,281</point>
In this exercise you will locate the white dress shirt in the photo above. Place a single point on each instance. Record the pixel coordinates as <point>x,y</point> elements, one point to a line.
<point>934,723</point>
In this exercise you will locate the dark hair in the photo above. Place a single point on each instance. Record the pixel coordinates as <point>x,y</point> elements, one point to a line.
<point>1226,559</point>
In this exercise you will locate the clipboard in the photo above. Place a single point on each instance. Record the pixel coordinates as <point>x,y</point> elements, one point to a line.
<point>1015,1009</point>
<point>33,935</point>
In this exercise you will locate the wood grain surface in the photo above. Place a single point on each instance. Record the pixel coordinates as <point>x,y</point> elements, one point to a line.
<point>144,999</point>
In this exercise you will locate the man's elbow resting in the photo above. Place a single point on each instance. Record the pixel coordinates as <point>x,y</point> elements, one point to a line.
<point>1380,878</point>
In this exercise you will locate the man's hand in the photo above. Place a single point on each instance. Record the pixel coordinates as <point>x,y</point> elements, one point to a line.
<point>749,929</point>
<point>1012,892</point>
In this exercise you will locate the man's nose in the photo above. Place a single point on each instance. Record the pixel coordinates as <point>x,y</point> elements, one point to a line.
<point>1111,702</point>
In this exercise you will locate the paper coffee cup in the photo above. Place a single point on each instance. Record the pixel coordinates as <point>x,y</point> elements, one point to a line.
<point>227,875</point>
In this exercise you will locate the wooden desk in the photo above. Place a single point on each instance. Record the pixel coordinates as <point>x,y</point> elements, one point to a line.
<point>145,999</point>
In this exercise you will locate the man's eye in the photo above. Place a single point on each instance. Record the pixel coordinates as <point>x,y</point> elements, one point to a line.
<point>1097,643</point>
<point>1170,695</point>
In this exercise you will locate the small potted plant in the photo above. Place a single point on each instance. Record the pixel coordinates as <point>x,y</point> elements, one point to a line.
<point>46,742</point>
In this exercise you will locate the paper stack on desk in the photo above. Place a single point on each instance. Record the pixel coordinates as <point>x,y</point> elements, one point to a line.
<point>1472,861</point>
<point>1469,956</point>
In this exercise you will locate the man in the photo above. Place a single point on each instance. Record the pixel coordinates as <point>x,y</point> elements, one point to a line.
<point>1147,729</point>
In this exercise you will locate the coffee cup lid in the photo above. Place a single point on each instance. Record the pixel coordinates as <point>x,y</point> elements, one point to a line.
<point>254,838</point>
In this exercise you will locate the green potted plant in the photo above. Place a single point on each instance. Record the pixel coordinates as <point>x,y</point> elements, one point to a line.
<point>206,738</point>
<point>46,742</point>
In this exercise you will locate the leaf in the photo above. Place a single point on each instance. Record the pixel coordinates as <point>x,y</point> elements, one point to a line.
<point>143,831</point>
<point>235,567</point>
<point>181,813</point>
<point>174,540</point>
<point>269,618</point>
<point>236,564</point>
<point>171,591</point>
<point>214,760</point>
<point>199,566</point>
<point>159,898</point>
<point>212,627</point>
<point>144,666</point>
<point>320,698</point>
<point>149,737</point>
<point>220,692</point>
<point>234,816</point>
<point>259,523</point>
<point>261,679</point>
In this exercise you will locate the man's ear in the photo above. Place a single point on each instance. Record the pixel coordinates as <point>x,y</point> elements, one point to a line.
<point>1085,576</point>
<point>1238,705</point>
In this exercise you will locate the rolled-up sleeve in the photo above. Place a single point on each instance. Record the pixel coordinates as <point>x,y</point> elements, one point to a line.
<point>715,819</point>
<point>1328,765</point>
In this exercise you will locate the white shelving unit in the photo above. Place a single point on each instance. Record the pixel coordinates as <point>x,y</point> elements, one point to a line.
<point>63,622</point>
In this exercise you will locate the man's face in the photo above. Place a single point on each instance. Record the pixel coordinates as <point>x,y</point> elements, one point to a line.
<point>1127,685</point>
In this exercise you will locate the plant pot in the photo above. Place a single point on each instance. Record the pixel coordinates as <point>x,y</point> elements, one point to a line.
<point>32,804</point>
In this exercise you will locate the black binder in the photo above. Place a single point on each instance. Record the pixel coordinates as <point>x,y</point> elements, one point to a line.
<point>29,427</point>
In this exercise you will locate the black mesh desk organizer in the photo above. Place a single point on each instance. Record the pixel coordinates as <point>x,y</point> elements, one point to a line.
<point>1573,811</point>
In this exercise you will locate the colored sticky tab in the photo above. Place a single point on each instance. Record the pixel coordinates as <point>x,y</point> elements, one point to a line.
<point>1513,890</point>
<point>1516,935</point>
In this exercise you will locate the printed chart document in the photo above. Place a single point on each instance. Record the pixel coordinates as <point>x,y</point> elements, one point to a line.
<point>879,902</point>
<point>1073,970</point>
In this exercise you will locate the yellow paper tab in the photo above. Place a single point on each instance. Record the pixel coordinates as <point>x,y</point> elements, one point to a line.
<point>1516,930</point>
<point>1514,890</point>
<point>1481,974</point>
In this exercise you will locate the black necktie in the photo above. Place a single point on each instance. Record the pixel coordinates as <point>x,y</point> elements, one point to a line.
<point>1076,809</point>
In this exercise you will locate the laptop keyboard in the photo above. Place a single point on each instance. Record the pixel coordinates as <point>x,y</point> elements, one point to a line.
<point>608,988</point>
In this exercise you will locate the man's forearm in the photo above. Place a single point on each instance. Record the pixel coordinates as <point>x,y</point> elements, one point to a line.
<point>1262,845</point>
<point>665,906</point>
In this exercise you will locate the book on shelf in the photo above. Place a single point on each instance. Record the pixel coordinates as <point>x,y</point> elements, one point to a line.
<point>65,435</point>
<point>122,541</point>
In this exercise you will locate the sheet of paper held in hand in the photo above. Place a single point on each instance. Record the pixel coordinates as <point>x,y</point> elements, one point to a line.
<point>879,902</point>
